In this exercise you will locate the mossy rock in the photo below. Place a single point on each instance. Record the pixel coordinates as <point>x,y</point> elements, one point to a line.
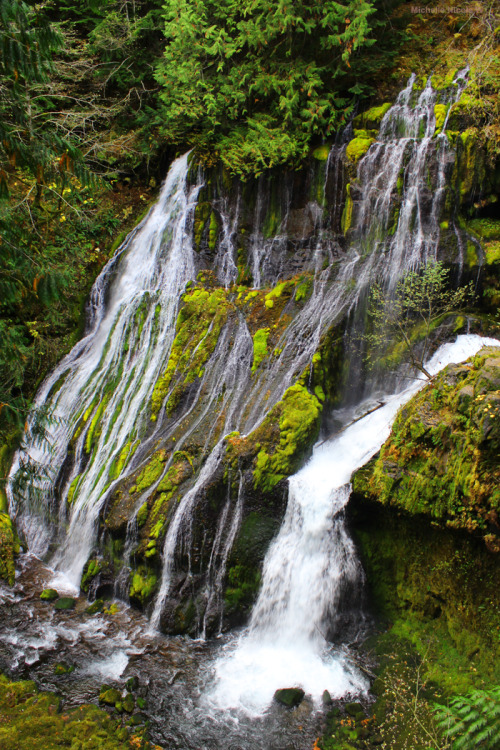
<point>440,459</point>
<point>49,595</point>
<point>95,607</point>
<point>32,720</point>
<point>358,147</point>
<point>65,603</point>
<point>109,696</point>
<point>289,697</point>
<point>63,668</point>
<point>372,118</point>
<point>128,703</point>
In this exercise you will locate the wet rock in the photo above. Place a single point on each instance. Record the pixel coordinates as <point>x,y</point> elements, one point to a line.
<point>128,703</point>
<point>65,602</point>
<point>95,607</point>
<point>109,696</point>
<point>49,595</point>
<point>63,668</point>
<point>326,698</point>
<point>289,697</point>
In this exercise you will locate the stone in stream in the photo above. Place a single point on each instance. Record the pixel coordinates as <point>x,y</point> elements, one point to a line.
<point>48,595</point>
<point>65,602</point>
<point>95,607</point>
<point>289,697</point>
<point>326,698</point>
<point>110,696</point>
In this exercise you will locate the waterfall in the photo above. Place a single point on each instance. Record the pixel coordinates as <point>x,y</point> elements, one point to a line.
<point>312,563</point>
<point>107,379</point>
<point>99,396</point>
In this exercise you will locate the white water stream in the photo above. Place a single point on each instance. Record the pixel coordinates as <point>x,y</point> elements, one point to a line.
<point>309,564</point>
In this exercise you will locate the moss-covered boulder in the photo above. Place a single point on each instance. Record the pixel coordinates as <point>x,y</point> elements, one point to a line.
<point>49,595</point>
<point>65,603</point>
<point>109,696</point>
<point>441,459</point>
<point>289,697</point>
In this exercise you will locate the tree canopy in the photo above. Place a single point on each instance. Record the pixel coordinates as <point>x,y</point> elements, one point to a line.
<point>256,81</point>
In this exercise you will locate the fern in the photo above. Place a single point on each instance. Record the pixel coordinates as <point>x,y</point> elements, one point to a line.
<point>472,720</point>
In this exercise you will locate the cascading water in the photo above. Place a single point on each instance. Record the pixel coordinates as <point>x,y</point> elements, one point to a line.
<point>311,564</point>
<point>102,435</point>
<point>102,431</point>
<point>110,374</point>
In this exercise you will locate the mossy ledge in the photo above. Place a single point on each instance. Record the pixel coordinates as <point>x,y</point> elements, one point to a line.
<point>441,459</point>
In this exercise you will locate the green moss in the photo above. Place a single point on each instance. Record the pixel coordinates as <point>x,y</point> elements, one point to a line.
<point>472,258</point>
<point>213,231</point>
<point>201,216</point>
<point>347,212</point>
<point>123,458</point>
<point>48,595</point>
<point>298,425</point>
<point>63,668</point>
<point>372,117</point>
<point>91,569</point>
<point>94,428</point>
<point>259,347</point>
<point>243,585</point>
<point>358,147</point>
<point>303,289</point>
<point>9,546</point>
<point>142,515</point>
<point>72,489</point>
<point>151,472</point>
<point>321,153</point>
<point>198,327</point>
<point>32,720</point>
<point>492,252</point>
<point>143,585</point>
<point>439,460</point>
<point>440,111</point>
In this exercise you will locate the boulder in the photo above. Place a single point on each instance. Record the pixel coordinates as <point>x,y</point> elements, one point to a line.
<point>65,602</point>
<point>49,595</point>
<point>289,697</point>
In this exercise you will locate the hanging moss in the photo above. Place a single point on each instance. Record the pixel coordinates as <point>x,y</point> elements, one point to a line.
<point>299,414</point>
<point>358,147</point>
<point>198,327</point>
<point>259,347</point>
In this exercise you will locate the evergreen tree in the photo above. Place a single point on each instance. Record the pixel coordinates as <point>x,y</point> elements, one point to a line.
<point>257,81</point>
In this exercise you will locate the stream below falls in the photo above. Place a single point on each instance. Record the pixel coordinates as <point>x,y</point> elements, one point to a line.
<point>208,694</point>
